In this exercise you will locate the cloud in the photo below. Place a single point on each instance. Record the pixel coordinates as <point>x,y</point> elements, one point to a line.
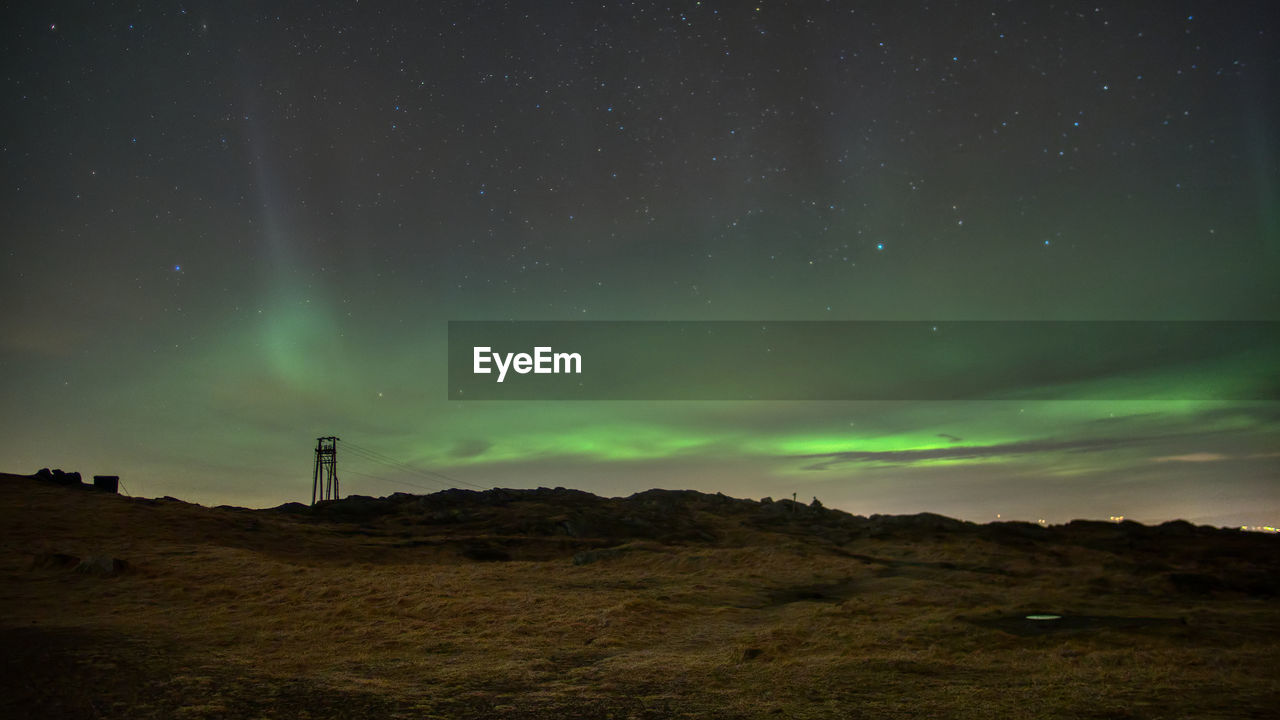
<point>1199,457</point>
<point>970,452</point>
<point>469,448</point>
<point>949,438</point>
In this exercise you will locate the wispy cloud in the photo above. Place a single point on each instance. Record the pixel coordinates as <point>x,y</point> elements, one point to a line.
<point>1203,457</point>
<point>470,448</point>
<point>971,452</point>
<point>1199,457</point>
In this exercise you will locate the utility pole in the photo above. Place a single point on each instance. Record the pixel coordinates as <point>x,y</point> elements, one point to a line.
<point>324,482</point>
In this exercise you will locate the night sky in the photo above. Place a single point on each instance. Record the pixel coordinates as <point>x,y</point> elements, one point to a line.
<point>229,229</point>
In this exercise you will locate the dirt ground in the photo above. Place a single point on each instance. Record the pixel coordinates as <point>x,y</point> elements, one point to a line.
<point>555,604</point>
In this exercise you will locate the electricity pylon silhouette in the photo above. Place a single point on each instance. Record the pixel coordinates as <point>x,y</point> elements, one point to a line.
<point>324,482</point>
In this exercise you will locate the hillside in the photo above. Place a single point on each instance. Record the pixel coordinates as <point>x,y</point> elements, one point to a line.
<point>558,603</point>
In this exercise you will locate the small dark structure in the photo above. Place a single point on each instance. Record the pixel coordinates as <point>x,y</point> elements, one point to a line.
<point>107,483</point>
<point>324,481</point>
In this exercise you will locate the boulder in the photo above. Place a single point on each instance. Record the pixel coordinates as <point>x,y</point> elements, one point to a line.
<point>102,565</point>
<point>485,552</point>
<point>64,478</point>
<point>586,557</point>
<point>59,561</point>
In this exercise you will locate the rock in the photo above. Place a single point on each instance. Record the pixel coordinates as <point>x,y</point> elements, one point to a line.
<point>1014,531</point>
<point>780,509</point>
<point>1196,583</point>
<point>355,508</point>
<point>573,527</point>
<point>102,565</point>
<point>586,557</point>
<point>485,553</point>
<point>1176,528</point>
<point>58,561</point>
<point>65,478</point>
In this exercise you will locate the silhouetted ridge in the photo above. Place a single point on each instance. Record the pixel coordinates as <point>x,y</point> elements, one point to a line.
<point>541,524</point>
<point>690,515</point>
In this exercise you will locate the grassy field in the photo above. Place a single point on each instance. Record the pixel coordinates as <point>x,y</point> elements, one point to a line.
<point>561,605</point>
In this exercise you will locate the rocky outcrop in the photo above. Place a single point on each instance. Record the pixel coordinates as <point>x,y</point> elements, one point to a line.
<point>100,565</point>
<point>103,565</point>
<point>58,477</point>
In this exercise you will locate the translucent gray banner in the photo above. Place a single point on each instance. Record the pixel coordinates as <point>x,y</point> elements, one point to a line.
<point>495,360</point>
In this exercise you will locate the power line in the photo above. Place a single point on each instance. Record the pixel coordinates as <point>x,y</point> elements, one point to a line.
<point>382,462</point>
<point>374,455</point>
<point>437,485</point>
<point>389,480</point>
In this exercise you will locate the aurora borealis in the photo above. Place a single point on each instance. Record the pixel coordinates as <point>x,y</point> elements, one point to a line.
<point>230,229</point>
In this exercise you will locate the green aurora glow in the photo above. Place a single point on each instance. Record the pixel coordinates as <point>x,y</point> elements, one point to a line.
<point>226,237</point>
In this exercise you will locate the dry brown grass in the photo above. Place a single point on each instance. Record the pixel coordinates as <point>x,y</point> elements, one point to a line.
<point>228,613</point>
